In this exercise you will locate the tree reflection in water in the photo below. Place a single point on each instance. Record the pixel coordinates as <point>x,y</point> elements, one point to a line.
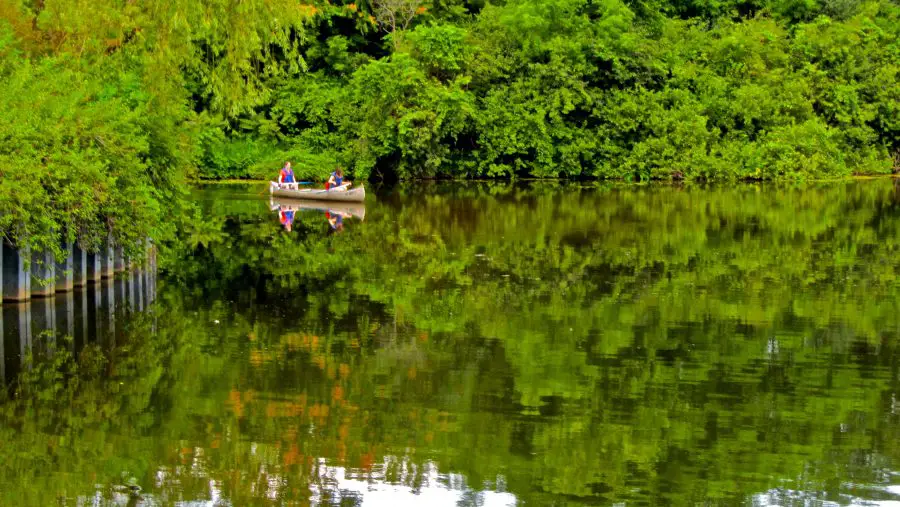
<point>537,343</point>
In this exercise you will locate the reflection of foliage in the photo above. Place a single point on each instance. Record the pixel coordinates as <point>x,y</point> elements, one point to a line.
<point>645,344</point>
<point>203,232</point>
<point>64,407</point>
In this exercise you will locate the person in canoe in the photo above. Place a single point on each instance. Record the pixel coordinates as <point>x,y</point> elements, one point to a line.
<point>287,174</point>
<point>337,180</point>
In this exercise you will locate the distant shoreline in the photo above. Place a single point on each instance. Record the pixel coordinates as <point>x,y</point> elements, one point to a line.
<point>855,177</point>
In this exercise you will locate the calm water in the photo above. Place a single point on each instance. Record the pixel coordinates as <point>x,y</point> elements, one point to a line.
<point>538,344</point>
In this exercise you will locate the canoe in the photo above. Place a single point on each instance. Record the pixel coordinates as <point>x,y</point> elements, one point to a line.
<point>344,209</point>
<point>339,194</point>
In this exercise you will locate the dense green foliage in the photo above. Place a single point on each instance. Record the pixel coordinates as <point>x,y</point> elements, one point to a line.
<point>589,88</point>
<point>105,107</point>
<point>658,345</point>
<point>109,105</point>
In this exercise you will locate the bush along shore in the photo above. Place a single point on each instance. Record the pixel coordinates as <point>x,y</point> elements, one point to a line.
<point>111,109</point>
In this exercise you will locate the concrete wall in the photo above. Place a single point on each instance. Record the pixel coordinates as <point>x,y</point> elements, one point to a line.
<point>79,266</point>
<point>16,274</point>
<point>65,270</point>
<point>43,274</point>
<point>94,267</point>
<point>24,275</point>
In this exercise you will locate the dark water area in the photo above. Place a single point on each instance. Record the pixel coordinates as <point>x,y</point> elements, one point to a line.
<point>490,345</point>
<point>85,317</point>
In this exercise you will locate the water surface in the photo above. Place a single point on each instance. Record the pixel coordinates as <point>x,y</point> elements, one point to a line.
<point>473,344</point>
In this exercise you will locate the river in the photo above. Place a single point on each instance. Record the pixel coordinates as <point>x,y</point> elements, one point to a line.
<point>484,344</point>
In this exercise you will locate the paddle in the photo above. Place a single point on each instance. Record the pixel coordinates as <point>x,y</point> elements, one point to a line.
<point>295,183</point>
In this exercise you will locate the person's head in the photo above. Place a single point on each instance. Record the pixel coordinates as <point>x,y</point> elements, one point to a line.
<point>339,172</point>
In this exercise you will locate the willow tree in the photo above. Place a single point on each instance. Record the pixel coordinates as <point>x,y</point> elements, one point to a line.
<point>100,125</point>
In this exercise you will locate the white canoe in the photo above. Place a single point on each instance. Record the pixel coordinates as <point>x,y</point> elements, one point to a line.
<point>339,194</point>
<point>346,210</point>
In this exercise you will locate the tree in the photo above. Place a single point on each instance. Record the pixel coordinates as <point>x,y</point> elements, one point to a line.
<point>395,15</point>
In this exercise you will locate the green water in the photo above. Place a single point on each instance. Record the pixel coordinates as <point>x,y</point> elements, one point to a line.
<point>536,344</point>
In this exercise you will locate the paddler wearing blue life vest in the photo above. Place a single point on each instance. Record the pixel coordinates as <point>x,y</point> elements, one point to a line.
<point>287,173</point>
<point>336,180</point>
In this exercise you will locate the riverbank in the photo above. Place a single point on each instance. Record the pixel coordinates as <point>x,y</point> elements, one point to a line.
<point>501,181</point>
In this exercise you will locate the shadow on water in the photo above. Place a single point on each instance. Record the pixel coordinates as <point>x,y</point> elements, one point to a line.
<point>482,344</point>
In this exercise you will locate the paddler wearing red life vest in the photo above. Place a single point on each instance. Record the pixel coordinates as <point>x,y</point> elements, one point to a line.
<point>287,173</point>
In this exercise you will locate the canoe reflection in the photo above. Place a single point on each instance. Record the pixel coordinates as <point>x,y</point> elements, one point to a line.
<point>335,212</point>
